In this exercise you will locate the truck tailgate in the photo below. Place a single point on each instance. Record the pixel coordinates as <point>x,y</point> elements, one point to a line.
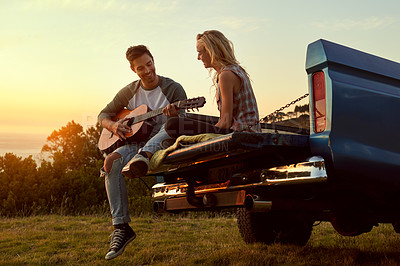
<point>235,151</point>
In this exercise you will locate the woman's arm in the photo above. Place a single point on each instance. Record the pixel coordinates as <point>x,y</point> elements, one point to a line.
<point>229,85</point>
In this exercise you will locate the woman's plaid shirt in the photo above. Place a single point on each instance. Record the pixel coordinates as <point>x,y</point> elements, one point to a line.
<point>245,110</point>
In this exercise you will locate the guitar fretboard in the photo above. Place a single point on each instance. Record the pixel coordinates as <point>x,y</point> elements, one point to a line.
<point>148,115</point>
<point>145,116</point>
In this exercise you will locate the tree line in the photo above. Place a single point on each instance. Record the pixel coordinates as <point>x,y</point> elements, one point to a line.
<point>299,111</point>
<point>68,182</point>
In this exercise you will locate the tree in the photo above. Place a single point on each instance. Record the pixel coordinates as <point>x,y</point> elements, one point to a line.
<point>305,108</point>
<point>290,114</point>
<point>18,183</point>
<point>71,147</point>
<point>280,116</point>
<point>301,109</point>
<point>75,168</point>
<point>91,150</point>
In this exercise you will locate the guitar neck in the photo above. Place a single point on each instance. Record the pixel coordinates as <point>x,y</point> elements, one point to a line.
<point>148,115</point>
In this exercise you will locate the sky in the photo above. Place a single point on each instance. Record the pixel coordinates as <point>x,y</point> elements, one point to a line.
<point>63,60</point>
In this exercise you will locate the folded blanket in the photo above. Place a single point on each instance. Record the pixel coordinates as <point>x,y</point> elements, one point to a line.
<point>158,157</point>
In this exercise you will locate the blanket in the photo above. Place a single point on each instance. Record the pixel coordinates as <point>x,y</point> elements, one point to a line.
<point>158,157</point>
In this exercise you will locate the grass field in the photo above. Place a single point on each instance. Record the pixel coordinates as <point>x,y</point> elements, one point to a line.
<point>182,240</point>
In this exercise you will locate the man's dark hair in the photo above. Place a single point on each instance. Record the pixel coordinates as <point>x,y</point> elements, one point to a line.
<point>136,51</point>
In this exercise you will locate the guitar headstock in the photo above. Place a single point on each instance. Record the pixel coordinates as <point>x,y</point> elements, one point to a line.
<point>192,103</point>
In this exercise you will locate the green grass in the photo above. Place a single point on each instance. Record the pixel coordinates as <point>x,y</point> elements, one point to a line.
<point>182,240</point>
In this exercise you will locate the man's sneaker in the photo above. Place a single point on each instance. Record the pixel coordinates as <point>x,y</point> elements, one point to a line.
<point>120,238</point>
<point>136,167</point>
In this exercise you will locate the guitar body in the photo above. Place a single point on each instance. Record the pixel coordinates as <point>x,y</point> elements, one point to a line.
<point>141,122</point>
<point>108,142</point>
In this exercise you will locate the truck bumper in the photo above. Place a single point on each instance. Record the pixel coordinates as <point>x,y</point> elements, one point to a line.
<point>182,196</point>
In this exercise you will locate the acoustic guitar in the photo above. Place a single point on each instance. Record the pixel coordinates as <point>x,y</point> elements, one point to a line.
<point>141,124</point>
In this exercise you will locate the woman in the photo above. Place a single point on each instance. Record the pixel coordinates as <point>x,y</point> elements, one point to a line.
<point>235,97</point>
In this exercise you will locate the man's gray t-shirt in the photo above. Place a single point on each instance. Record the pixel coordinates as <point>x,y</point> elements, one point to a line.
<point>133,95</point>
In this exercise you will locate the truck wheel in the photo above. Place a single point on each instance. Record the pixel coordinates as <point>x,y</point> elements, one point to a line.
<point>271,228</point>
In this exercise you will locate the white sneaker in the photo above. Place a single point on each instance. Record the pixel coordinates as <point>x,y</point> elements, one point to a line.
<point>136,167</point>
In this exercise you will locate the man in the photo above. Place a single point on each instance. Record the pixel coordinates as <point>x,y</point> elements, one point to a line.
<point>156,92</point>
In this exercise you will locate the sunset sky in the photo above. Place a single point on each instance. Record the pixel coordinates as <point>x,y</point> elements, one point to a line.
<point>64,60</point>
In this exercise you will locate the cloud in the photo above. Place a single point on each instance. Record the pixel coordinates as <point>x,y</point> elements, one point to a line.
<point>350,24</point>
<point>244,24</point>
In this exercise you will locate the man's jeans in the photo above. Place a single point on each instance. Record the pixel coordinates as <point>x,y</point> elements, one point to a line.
<point>115,183</point>
<point>116,187</point>
<point>156,142</point>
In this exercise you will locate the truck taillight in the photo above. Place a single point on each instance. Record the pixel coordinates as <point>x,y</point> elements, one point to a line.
<point>319,101</point>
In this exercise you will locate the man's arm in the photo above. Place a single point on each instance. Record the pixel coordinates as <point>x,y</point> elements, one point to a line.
<point>119,102</point>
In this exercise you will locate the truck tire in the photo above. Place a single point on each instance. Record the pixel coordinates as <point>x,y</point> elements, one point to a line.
<point>272,228</point>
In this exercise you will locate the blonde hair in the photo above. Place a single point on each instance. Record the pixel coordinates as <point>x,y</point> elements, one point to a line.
<point>219,48</point>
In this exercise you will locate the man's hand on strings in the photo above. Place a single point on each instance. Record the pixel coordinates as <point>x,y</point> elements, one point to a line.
<point>120,128</point>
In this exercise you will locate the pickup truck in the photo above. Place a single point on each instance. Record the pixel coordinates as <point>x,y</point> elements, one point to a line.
<point>344,168</point>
